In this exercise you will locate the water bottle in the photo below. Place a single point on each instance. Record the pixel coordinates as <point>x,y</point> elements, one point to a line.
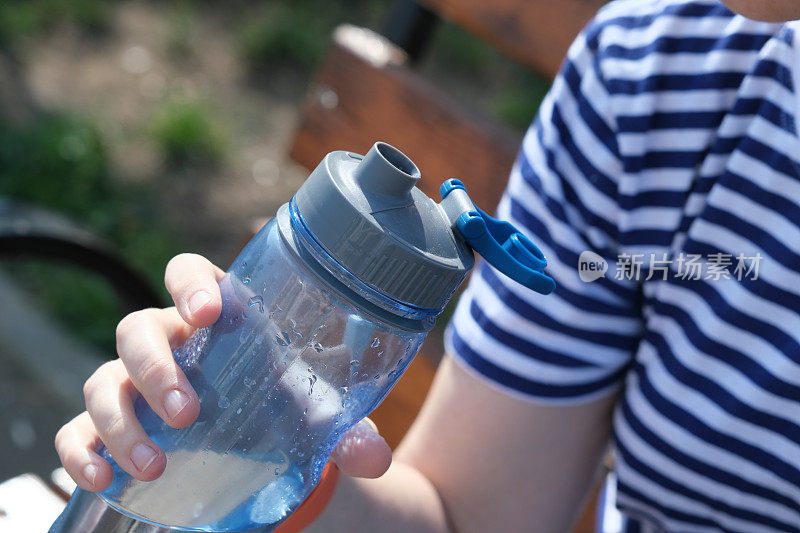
<point>322,312</point>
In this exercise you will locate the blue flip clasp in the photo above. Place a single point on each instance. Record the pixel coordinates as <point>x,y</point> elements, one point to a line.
<point>498,242</point>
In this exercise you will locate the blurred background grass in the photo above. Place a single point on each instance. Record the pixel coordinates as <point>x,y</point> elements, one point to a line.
<point>146,122</point>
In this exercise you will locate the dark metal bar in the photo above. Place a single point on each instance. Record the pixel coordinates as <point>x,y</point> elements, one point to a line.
<point>27,231</point>
<point>410,26</point>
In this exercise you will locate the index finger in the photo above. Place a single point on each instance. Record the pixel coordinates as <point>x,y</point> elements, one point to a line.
<point>193,282</point>
<point>145,340</point>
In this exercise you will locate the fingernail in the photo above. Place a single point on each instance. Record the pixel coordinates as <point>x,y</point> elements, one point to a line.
<point>371,424</point>
<point>143,456</point>
<point>174,402</point>
<point>198,301</point>
<point>90,473</point>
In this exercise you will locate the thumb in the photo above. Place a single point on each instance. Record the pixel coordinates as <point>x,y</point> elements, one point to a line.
<point>362,452</point>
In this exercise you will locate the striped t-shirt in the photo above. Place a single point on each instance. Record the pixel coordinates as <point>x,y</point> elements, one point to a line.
<point>667,149</point>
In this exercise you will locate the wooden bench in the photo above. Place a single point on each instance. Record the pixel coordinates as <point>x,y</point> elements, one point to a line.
<point>367,89</point>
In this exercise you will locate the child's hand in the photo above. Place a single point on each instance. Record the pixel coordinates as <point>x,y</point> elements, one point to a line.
<point>145,341</point>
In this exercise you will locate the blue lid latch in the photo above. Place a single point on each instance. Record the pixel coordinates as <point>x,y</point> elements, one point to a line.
<point>501,244</point>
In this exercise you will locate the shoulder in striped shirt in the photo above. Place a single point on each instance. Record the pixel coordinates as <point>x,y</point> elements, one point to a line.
<point>669,136</point>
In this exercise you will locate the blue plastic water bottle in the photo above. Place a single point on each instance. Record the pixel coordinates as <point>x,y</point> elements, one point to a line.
<point>322,312</point>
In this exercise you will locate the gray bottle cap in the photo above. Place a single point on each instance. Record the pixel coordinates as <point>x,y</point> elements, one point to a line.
<point>368,215</point>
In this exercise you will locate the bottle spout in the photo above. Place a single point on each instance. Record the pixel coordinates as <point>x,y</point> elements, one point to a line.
<point>386,170</point>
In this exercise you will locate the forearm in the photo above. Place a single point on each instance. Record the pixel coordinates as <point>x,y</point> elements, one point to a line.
<point>401,500</point>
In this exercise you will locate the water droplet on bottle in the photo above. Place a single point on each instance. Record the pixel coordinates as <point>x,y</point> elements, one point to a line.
<point>375,342</point>
<point>380,354</point>
<point>343,390</point>
<point>257,301</point>
<point>365,375</point>
<point>354,362</point>
<point>311,380</point>
<point>392,374</point>
<point>223,402</point>
<point>318,347</point>
<point>377,377</point>
<point>293,329</point>
<point>244,265</point>
<point>277,471</point>
<point>246,280</point>
<point>305,411</point>
<point>301,454</point>
<point>399,362</point>
<point>283,339</point>
<point>239,411</point>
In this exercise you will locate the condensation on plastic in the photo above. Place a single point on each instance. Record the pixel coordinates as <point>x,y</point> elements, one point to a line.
<point>286,370</point>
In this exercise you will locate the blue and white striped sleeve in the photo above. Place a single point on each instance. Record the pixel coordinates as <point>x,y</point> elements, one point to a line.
<point>575,344</point>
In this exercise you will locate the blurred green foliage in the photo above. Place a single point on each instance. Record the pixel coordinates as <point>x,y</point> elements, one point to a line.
<point>516,103</point>
<point>83,303</point>
<point>295,33</point>
<point>59,162</point>
<point>23,18</point>
<point>463,53</point>
<point>284,34</point>
<point>187,131</point>
<point>182,21</point>
<point>507,90</point>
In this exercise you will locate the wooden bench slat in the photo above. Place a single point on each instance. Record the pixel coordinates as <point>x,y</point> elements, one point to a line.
<point>536,33</point>
<point>365,92</point>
